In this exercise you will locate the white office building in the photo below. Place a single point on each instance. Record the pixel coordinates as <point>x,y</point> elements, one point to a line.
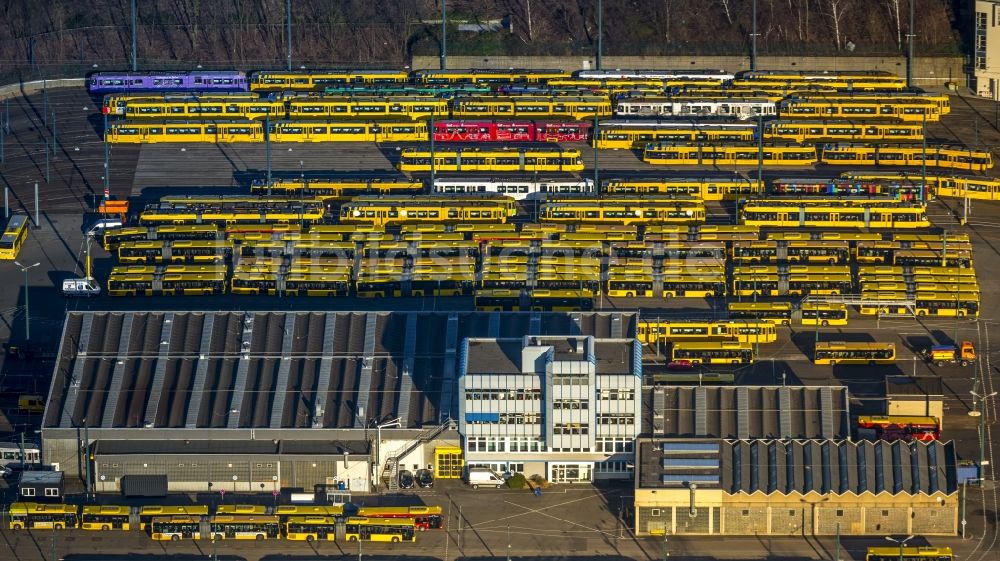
<point>986,49</point>
<point>565,407</point>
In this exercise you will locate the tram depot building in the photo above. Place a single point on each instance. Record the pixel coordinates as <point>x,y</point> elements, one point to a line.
<point>325,401</point>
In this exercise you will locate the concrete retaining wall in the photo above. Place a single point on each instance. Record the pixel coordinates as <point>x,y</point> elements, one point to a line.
<point>28,88</point>
<point>928,71</point>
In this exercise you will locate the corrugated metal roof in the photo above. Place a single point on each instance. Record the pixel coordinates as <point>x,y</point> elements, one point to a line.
<point>838,466</point>
<point>218,370</point>
<point>745,412</point>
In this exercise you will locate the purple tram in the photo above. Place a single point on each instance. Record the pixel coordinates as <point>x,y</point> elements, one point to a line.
<point>197,81</point>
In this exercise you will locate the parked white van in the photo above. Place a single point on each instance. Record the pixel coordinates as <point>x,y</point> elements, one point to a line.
<point>483,477</point>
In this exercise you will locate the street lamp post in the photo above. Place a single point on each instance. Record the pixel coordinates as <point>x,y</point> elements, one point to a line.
<point>980,411</point>
<point>901,543</point>
<point>27,309</point>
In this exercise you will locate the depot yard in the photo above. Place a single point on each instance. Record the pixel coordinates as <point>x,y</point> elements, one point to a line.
<point>568,520</point>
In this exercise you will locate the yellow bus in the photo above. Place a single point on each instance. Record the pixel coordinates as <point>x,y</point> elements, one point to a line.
<point>777,313</point>
<point>14,235</point>
<point>497,300</point>
<point>309,80</point>
<point>824,313</point>
<point>37,516</point>
<point>555,300</point>
<point>729,154</point>
<point>819,131</point>
<point>311,528</point>
<point>693,284</point>
<point>424,517</point>
<point>623,211</point>
<point>637,134</point>
<point>907,110</point>
<point>952,304</point>
<point>492,160</point>
<point>910,155</point>
<point>893,553</point>
<point>174,251</point>
<point>531,106</point>
<point>384,211</point>
<point>241,509</point>
<point>745,331</point>
<point>244,527</point>
<point>879,302</point>
<point>105,517</point>
<point>113,238</point>
<point>174,528</point>
<point>961,258</point>
<point>285,512</point>
<point>840,352</point>
<point>832,213</point>
<point>124,282</point>
<point>147,513</point>
<point>708,189</point>
<point>713,352</point>
<point>379,529</point>
<point>338,107</point>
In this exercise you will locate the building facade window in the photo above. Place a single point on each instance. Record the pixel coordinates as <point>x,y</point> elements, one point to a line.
<point>574,404</point>
<point>51,491</point>
<point>613,445</point>
<point>621,394</point>
<point>615,419</point>
<point>612,466</point>
<point>570,428</point>
<point>28,492</point>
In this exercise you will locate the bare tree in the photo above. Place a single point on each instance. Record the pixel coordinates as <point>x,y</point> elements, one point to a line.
<point>892,7</point>
<point>726,9</point>
<point>527,15</point>
<point>837,8</point>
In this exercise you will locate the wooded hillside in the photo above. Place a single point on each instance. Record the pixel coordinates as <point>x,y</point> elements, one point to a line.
<point>60,34</point>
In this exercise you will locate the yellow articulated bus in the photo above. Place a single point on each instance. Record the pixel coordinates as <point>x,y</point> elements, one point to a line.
<point>281,81</point>
<point>241,509</point>
<point>493,160</point>
<point>840,352</point>
<point>826,131</point>
<point>489,76</point>
<point>339,107</point>
<point>732,154</point>
<point>113,238</point>
<point>149,512</point>
<point>166,281</point>
<point>497,300</point>
<point>693,284</point>
<point>357,528</point>
<point>745,331</point>
<point>193,106</point>
<point>965,303</point>
<point>400,130</point>
<point>907,110</point>
<point>954,157</point>
<point>633,285</point>
<point>824,313</point>
<point>961,258</point>
<point>440,210</point>
<point>883,302</point>
<point>776,313</point>
<point>833,213</point>
<point>528,106</point>
<point>14,235</point>
<point>817,284</point>
<point>174,251</point>
<point>546,300</point>
<point>340,189</point>
<point>756,284</point>
<point>311,528</point>
<point>637,134</point>
<point>105,517</point>
<point>713,352</point>
<point>379,284</point>
<point>623,211</point>
<point>708,189</point>
<point>151,132</point>
<point>174,528</point>
<point>893,553</point>
<point>244,527</point>
<point>942,100</point>
<point>37,516</point>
